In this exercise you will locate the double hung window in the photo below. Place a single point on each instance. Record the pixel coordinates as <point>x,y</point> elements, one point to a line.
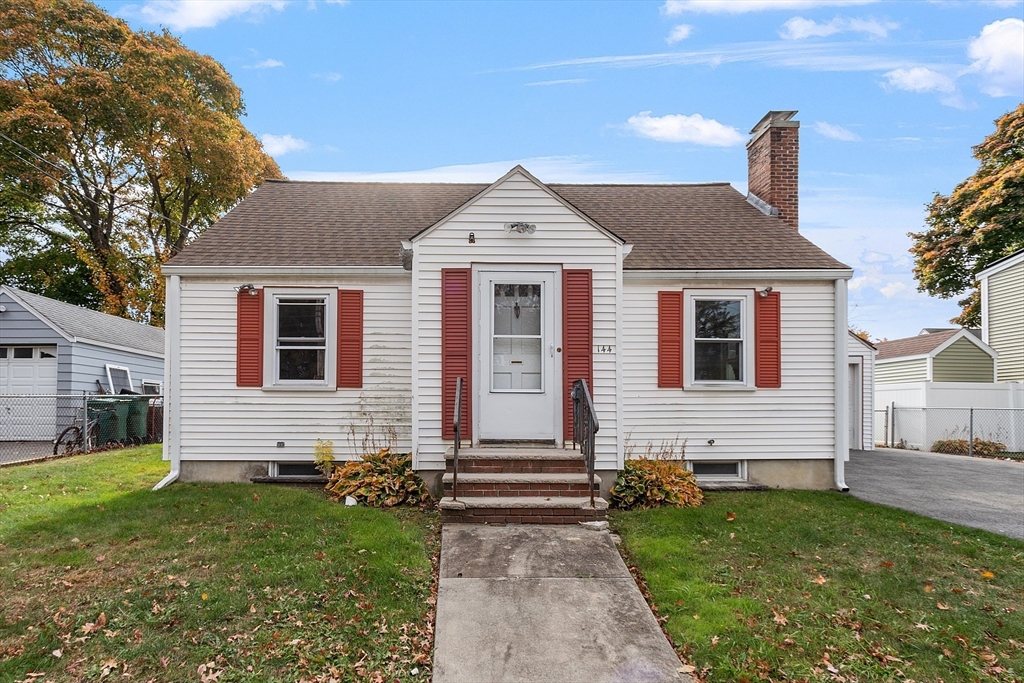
<point>302,338</point>
<point>718,340</point>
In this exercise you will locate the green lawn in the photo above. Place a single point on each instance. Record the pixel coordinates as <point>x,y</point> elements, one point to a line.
<point>103,579</point>
<point>818,586</point>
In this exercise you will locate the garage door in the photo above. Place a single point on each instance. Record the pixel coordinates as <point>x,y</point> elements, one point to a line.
<point>28,370</point>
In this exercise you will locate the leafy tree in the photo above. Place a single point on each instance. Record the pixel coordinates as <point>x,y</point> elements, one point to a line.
<point>126,145</point>
<point>981,221</point>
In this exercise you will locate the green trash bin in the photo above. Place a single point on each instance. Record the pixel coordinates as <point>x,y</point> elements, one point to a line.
<point>105,414</point>
<point>138,407</point>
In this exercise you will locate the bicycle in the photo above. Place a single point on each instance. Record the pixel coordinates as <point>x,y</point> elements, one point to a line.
<point>70,440</point>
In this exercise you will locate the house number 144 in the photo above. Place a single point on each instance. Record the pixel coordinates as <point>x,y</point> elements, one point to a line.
<point>604,348</point>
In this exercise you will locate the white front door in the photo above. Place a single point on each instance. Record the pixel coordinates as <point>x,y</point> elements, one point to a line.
<point>518,378</point>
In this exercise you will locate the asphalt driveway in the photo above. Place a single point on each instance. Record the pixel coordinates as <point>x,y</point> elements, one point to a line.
<point>975,492</point>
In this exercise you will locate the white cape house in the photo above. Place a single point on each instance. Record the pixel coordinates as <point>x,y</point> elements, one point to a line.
<point>698,317</point>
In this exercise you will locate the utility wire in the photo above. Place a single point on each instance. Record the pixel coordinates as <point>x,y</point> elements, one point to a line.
<point>65,171</point>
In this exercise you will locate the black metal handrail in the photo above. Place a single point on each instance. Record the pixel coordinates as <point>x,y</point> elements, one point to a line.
<point>457,423</point>
<point>584,427</point>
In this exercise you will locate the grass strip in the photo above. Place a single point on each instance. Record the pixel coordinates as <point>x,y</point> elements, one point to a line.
<point>818,586</point>
<point>103,578</point>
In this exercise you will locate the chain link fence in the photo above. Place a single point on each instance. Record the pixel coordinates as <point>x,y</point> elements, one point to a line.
<point>962,431</point>
<point>38,426</point>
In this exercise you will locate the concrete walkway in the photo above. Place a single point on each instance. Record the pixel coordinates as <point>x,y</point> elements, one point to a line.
<point>975,492</point>
<point>543,604</point>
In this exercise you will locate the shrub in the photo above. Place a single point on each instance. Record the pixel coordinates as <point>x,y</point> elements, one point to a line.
<point>962,447</point>
<point>323,456</point>
<point>381,479</point>
<point>645,483</point>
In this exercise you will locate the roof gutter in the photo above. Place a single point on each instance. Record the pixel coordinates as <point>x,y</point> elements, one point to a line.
<point>842,452</point>
<point>172,381</point>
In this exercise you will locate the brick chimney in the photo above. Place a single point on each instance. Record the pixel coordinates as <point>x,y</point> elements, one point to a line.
<point>773,165</point>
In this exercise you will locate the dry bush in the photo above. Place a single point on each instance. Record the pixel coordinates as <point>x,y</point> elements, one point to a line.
<point>656,478</point>
<point>381,479</point>
<point>962,447</point>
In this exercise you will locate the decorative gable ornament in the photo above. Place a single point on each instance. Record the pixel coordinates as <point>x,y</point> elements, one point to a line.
<point>521,228</point>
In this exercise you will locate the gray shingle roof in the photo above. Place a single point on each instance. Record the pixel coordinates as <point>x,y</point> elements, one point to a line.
<point>913,346</point>
<point>85,324</point>
<point>697,227</point>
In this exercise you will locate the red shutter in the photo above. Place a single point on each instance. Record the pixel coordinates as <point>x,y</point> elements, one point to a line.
<point>670,339</point>
<point>577,337</point>
<point>768,340</point>
<point>249,354</point>
<point>350,338</point>
<point>456,347</point>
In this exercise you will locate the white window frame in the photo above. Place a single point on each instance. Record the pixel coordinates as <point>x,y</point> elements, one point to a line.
<point>272,295</point>
<point>746,299</point>
<point>741,471</point>
<point>110,380</point>
<point>152,383</point>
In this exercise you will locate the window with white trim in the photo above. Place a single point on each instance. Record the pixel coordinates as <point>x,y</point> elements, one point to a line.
<point>300,338</point>
<point>718,469</point>
<point>719,338</point>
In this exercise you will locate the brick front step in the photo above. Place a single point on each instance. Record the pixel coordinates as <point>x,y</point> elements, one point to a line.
<point>522,510</point>
<point>475,484</point>
<point>517,461</point>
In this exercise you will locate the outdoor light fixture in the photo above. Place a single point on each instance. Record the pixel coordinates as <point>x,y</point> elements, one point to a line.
<point>251,288</point>
<point>763,293</point>
<point>521,228</point>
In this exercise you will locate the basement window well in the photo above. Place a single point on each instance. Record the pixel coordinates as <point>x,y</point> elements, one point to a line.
<point>719,470</point>
<point>295,469</point>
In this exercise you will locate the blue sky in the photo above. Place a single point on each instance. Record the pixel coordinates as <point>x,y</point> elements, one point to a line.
<point>891,97</point>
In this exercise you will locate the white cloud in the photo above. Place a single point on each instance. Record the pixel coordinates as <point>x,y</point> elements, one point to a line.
<point>680,32</point>
<point>892,289</point>
<point>681,128</point>
<point>835,132</point>
<point>277,145</point>
<point>998,54</point>
<point>674,7</point>
<point>919,79</point>
<point>798,28</point>
<point>329,76</point>
<point>563,81</point>
<point>182,15</point>
<point>267,64</point>
<point>551,169</point>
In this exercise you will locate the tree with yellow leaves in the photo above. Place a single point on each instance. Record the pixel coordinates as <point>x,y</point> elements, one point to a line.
<point>981,221</point>
<point>124,145</point>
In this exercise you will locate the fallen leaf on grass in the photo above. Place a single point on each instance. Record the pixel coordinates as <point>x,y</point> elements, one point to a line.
<point>924,627</point>
<point>987,575</point>
<point>820,580</point>
<point>730,516</point>
<point>686,669</point>
<point>928,588</point>
<point>944,608</point>
<point>779,619</point>
<point>100,558</point>
<point>886,565</point>
<point>57,653</point>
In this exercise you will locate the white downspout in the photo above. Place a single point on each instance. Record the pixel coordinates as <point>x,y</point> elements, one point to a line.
<point>841,388</point>
<point>172,380</point>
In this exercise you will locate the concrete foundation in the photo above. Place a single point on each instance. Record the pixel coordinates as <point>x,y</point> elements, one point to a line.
<point>240,471</point>
<point>792,474</point>
<point>432,478</point>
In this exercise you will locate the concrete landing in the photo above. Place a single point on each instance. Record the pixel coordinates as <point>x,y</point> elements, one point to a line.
<point>543,604</point>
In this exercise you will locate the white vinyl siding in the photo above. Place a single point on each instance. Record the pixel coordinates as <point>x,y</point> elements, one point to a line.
<point>796,421</point>
<point>562,239</point>
<point>894,371</point>
<point>220,421</point>
<point>858,349</point>
<point>1005,319</point>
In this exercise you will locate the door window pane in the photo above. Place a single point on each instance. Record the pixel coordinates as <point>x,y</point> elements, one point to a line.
<point>22,353</point>
<point>516,360</point>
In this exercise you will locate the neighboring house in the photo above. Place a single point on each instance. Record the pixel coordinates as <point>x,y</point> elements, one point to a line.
<point>941,385</point>
<point>943,355</point>
<point>49,347</point>
<point>862,393</point>
<point>1002,314</point>
<point>695,314</point>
